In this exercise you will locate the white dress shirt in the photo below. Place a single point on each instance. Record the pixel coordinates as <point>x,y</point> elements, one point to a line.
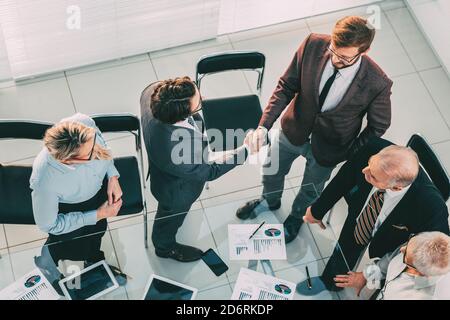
<point>185,124</point>
<point>391,199</point>
<point>340,85</point>
<point>401,285</point>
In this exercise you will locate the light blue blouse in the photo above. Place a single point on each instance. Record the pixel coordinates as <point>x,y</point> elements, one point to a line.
<point>53,182</point>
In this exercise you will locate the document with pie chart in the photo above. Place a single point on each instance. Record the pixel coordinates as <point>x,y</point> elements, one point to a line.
<point>252,285</point>
<point>267,243</point>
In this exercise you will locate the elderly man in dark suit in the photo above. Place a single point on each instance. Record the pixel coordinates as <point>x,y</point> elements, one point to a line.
<point>389,196</point>
<point>327,90</point>
<point>178,153</point>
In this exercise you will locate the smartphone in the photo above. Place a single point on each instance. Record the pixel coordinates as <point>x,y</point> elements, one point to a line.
<point>214,262</point>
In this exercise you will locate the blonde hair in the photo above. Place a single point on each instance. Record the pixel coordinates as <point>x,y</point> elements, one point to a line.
<point>65,139</point>
<point>431,253</point>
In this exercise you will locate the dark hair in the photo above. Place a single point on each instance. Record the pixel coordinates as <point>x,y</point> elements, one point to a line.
<point>171,100</point>
<point>353,31</point>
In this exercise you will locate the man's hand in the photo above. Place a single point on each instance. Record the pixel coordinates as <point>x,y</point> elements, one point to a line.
<point>107,210</point>
<point>248,139</point>
<point>309,218</point>
<point>114,190</point>
<point>354,280</point>
<point>257,139</point>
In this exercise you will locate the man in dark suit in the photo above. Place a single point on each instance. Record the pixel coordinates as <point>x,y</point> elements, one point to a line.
<point>389,198</point>
<point>177,153</point>
<point>327,90</point>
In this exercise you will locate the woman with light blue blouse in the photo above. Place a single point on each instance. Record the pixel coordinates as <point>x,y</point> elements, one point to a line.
<point>75,188</point>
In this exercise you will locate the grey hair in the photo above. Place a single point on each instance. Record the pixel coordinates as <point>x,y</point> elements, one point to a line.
<point>431,253</point>
<point>399,163</point>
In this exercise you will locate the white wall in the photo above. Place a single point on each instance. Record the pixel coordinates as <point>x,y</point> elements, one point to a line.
<point>5,71</point>
<point>238,15</point>
<point>39,41</point>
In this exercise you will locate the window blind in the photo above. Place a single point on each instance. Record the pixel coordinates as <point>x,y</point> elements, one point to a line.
<point>51,35</point>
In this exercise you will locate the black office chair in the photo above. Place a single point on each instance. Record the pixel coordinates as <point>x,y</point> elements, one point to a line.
<point>431,164</point>
<point>238,112</point>
<point>131,169</point>
<point>15,192</point>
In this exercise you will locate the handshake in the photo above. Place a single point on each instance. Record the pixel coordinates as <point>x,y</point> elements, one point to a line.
<point>255,139</point>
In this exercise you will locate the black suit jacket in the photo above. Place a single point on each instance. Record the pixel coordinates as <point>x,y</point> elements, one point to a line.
<point>178,185</point>
<point>422,208</point>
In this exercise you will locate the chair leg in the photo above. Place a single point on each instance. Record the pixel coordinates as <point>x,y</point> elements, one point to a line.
<point>145,227</point>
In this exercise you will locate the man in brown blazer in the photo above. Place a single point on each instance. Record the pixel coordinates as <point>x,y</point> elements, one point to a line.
<point>328,88</point>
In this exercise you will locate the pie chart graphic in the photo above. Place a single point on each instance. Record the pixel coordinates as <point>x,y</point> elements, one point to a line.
<point>282,288</point>
<point>272,232</point>
<point>32,281</point>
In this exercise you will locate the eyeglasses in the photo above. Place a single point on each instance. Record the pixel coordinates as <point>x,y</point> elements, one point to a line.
<point>404,254</point>
<point>346,60</point>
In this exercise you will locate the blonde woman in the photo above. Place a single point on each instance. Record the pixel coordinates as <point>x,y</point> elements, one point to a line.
<point>75,187</point>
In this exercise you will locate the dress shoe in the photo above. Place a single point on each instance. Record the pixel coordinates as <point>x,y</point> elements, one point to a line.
<point>180,252</point>
<point>291,228</point>
<point>250,209</point>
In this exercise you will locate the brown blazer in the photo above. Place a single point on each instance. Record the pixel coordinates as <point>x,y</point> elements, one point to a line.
<point>335,133</point>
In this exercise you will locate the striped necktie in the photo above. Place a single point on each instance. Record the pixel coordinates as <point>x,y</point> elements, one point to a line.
<point>366,221</point>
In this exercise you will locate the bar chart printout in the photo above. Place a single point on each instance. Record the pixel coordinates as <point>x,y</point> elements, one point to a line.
<point>252,285</point>
<point>266,244</point>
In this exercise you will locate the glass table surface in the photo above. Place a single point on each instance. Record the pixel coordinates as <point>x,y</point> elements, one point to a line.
<point>205,226</point>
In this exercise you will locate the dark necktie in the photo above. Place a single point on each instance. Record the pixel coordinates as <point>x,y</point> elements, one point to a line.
<point>366,221</point>
<point>326,88</point>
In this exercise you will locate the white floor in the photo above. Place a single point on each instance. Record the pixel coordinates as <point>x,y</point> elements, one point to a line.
<point>420,103</point>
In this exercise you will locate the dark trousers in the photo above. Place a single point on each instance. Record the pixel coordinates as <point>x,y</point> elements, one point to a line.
<point>84,243</point>
<point>281,155</point>
<point>345,255</point>
<point>167,222</point>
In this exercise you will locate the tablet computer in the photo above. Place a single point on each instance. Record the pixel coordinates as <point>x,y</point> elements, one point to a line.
<point>160,288</point>
<point>90,283</point>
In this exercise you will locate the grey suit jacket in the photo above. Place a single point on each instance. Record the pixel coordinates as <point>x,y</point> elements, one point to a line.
<point>177,157</point>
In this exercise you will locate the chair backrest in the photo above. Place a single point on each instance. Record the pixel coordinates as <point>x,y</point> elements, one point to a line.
<point>23,129</point>
<point>431,164</point>
<point>118,122</point>
<point>231,60</point>
<point>15,195</point>
<point>123,122</point>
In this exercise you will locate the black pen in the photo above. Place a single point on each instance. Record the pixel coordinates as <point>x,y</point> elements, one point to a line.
<point>308,278</point>
<point>257,230</point>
